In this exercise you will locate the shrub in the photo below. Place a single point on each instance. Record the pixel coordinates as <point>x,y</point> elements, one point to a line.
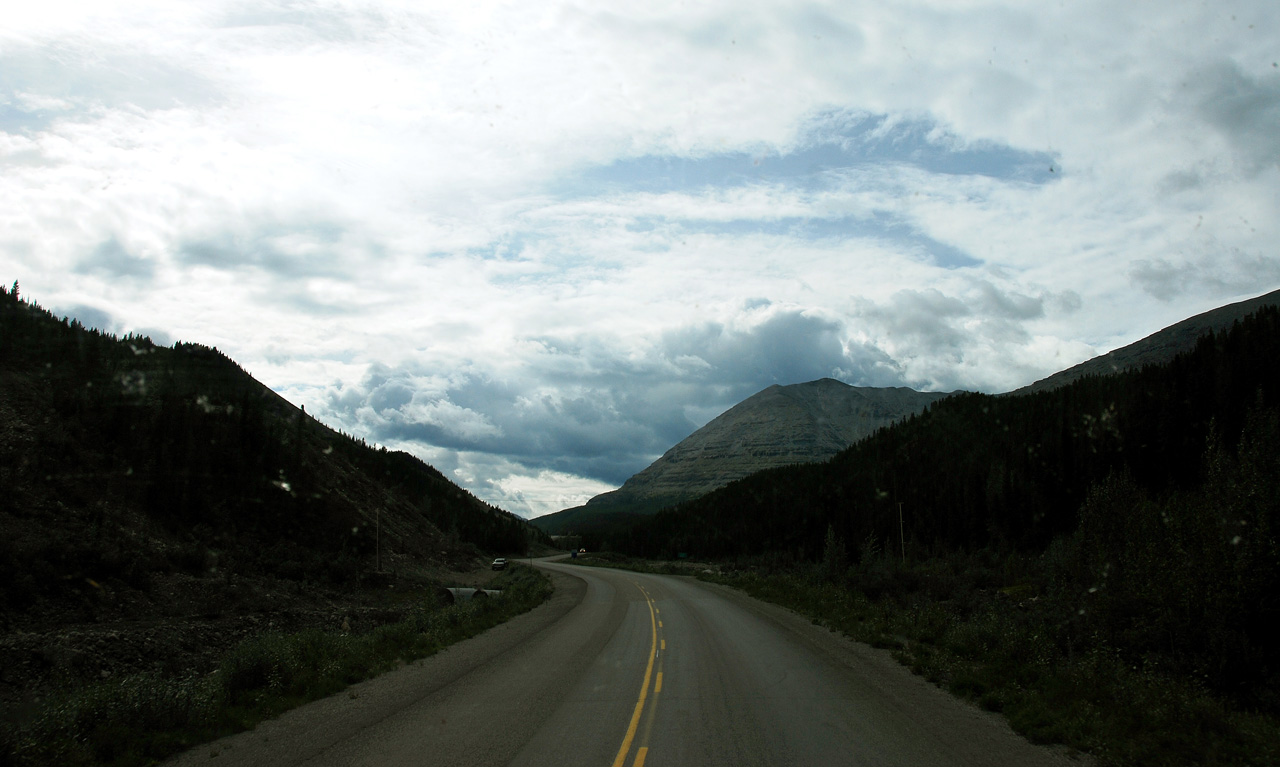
<point>143,718</point>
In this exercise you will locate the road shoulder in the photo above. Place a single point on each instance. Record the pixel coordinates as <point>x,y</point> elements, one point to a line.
<point>309,730</point>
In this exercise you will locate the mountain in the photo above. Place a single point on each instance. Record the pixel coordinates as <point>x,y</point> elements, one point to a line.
<point>980,470</point>
<point>125,464</point>
<point>779,426</point>
<point>158,506</point>
<point>811,422</point>
<point>1135,513</point>
<point>1159,347</point>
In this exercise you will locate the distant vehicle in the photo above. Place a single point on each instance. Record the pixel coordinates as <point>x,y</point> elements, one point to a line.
<point>499,564</point>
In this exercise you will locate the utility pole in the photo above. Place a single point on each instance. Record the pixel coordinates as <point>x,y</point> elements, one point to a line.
<point>378,538</point>
<point>902,536</point>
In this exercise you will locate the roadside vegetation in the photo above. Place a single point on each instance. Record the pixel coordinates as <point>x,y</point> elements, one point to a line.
<point>123,461</point>
<point>1099,562</point>
<point>141,719</point>
<point>1003,633</point>
<point>162,509</point>
<point>618,561</point>
<point>1143,637</point>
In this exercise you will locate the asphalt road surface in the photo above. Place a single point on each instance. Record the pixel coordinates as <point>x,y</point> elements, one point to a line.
<point>622,668</point>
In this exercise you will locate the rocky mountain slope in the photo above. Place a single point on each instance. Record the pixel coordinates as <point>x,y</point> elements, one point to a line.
<point>1159,347</point>
<point>160,499</point>
<point>781,425</point>
<point>813,421</point>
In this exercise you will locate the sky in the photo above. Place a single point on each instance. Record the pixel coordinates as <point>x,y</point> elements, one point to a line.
<point>538,244</point>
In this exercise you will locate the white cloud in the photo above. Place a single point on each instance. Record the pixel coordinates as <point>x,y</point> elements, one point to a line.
<point>564,235</point>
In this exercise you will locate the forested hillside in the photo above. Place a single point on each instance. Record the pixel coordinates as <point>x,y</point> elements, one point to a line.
<point>1007,471</point>
<point>779,426</point>
<point>121,459</point>
<point>1136,515</point>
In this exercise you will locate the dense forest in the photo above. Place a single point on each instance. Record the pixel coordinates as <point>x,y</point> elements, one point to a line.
<point>978,470</point>
<point>121,457</point>
<point>1147,504</point>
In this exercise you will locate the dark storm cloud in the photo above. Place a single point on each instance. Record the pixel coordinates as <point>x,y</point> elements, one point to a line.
<point>787,348</point>
<point>1220,274</point>
<point>98,319</point>
<point>288,249</point>
<point>112,260</point>
<point>587,409</point>
<point>91,317</point>
<point>1245,109</point>
<point>594,431</point>
<point>922,318</point>
<point>1008,305</point>
<point>158,336</point>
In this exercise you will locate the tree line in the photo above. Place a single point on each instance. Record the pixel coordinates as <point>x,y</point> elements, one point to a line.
<point>106,427</point>
<point>1147,502</point>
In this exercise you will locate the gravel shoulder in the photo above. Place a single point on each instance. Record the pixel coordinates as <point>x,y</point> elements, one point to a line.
<point>184,625</point>
<point>307,732</point>
<point>493,689</point>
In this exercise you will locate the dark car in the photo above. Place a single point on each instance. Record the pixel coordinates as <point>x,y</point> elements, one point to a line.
<point>499,564</point>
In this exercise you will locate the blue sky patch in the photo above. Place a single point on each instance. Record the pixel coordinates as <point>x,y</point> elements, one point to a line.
<point>832,143</point>
<point>879,226</point>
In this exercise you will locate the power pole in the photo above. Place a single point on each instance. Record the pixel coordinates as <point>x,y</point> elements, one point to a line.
<point>902,536</point>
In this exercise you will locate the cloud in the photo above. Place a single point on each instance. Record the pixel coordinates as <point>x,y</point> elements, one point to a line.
<point>91,317</point>
<point>1244,109</point>
<point>1228,274</point>
<point>111,260</point>
<point>87,75</point>
<point>538,244</point>
<point>785,346</point>
<point>822,151</point>
<point>924,317</point>
<point>979,338</point>
<point>589,406</point>
<point>311,246</point>
<point>1010,305</point>
<point>593,409</point>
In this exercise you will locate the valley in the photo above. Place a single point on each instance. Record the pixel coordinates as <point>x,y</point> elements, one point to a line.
<point>1107,533</point>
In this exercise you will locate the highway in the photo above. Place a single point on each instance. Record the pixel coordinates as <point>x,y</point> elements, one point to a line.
<point>622,668</point>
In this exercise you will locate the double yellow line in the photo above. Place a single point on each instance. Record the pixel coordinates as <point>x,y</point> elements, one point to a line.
<point>643,751</point>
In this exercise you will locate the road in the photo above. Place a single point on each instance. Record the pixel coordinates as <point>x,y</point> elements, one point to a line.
<point>622,668</point>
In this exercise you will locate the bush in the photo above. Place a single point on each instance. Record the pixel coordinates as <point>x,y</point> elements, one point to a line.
<point>144,718</point>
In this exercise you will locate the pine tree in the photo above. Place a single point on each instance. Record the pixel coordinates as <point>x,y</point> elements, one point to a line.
<point>835,559</point>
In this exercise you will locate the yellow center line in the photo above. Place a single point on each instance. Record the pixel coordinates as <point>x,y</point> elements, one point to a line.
<point>621,758</point>
<point>642,741</point>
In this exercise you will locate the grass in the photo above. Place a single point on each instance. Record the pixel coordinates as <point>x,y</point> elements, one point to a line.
<point>622,562</point>
<point>142,719</point>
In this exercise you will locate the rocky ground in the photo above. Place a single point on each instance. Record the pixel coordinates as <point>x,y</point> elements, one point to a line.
<point>184,625</point>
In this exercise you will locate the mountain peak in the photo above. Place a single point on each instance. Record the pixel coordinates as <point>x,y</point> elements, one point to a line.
<point>777,426</point>
<point>1159,347</point>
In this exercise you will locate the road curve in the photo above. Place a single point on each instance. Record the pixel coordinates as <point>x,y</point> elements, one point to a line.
<point>622,668</point>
